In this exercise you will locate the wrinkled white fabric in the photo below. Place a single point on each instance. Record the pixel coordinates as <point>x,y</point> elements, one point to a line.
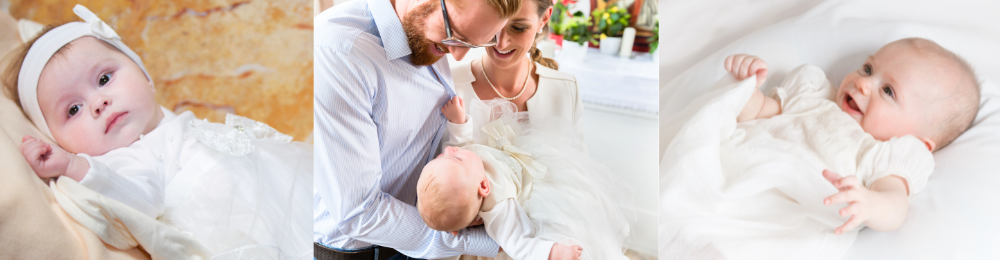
<point>541,168</point>
<point>123,227</point>
<point>245,194</point>
<point>755,190</point>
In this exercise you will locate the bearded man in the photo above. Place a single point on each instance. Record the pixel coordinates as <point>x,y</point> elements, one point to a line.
<point>380,82</point>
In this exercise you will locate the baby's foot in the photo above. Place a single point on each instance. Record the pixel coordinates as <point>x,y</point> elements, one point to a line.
<point>565,252</point>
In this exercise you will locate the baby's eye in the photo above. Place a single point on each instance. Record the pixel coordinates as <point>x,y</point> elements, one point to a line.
<point>104,79</point>
<point>888,91</point>
<point>74,109</point>
<point>459,159</point>
<point>867,69</point>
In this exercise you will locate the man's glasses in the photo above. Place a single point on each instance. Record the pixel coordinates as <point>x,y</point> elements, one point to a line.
<point>452,41</point>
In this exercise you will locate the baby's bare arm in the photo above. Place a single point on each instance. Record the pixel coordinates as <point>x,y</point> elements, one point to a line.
<point>742,66</point>
<point>890,195</point>
<point>759,106</point>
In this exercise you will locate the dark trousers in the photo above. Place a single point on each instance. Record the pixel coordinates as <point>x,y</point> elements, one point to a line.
<point>321,252</point>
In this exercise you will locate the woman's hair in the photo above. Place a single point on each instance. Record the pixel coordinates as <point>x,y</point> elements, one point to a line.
<point>536,55</point>
<point>14,59</point>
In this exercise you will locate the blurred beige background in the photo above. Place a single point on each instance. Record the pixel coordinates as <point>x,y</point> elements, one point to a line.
<point>250,58</point>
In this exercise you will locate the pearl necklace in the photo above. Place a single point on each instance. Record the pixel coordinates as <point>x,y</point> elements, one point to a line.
<point>525,86</point>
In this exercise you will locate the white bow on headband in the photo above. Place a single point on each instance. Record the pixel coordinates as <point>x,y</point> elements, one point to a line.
<point>48,44</point>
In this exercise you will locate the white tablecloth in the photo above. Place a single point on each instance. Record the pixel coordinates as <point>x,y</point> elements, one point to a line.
<point>630,83</point>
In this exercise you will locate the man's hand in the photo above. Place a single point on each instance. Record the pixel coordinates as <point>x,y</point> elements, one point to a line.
<point>52,161</point>
<point>565,252</point>
<point>743,66</point>
<point>454,110</point>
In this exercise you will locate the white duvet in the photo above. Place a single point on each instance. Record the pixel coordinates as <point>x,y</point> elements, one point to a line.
<point>754,190</point>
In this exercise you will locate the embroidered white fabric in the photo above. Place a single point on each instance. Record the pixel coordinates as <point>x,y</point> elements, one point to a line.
<point>235,136</point>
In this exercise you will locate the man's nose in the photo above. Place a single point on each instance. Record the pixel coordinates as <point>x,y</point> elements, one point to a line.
<point>458,52</point>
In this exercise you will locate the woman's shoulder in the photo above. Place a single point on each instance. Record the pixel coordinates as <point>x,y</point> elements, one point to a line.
<point>462,78</point>
<point>461,73</point>
<point>549,73</point>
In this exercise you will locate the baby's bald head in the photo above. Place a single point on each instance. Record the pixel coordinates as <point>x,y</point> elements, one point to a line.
<point>448,196</point>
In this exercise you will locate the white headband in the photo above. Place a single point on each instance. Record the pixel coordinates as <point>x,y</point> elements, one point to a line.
<point>47,45</point>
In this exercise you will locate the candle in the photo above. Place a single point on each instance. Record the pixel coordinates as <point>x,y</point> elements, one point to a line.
<point>628,39</point>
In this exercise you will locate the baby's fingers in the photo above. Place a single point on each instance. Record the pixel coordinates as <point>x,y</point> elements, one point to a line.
<point>728,64</point>
<point>831,177</point>
<point>745,67</point>
<point>848,182</point>
<point>841,197</point>
<point>851,224</point>
<point>851,210</point>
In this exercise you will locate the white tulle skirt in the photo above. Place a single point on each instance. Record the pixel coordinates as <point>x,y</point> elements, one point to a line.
<point>252,206</point>
<point>580,200</point>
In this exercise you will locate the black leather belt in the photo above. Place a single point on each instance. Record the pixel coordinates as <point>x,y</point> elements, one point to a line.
<point>321,252</point>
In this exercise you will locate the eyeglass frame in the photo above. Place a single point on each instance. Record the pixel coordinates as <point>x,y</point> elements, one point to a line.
<point>455,42</point>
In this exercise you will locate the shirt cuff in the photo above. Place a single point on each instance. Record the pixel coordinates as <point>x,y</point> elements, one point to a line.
<point>479,243</point>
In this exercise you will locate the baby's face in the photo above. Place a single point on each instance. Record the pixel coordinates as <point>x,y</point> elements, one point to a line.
<point>895,92</point>
<point>95,99</point>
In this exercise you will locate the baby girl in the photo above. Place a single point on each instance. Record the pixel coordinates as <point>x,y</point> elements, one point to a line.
<point>537,198</point>
<point>241,188</point>
<point>912,96</point>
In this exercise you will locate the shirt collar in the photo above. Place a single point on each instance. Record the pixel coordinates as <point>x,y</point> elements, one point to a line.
<point>390,29</point>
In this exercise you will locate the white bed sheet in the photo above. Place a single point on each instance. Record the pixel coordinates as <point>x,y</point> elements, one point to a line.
<point>956,216</point>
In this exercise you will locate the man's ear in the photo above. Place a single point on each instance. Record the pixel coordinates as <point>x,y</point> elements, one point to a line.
<point>484,187</point>
<point>928,142</point>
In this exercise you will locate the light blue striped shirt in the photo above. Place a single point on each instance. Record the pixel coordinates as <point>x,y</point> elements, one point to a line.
<point>377,122</point>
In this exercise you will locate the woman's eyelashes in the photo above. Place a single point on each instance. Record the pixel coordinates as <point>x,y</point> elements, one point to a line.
<point>519,28</point>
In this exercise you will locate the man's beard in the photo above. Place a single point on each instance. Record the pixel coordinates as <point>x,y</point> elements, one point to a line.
<point>413,26</point>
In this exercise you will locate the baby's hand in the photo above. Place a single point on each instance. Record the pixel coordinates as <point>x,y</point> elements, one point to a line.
<point>564,252</point>
<point>743,66</point>
<point>46,160</point>
<point>454,110</point>
<point>856,195</point>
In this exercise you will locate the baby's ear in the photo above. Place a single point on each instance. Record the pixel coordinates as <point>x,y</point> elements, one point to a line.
<point>484,187</point>
<point>928,142</point>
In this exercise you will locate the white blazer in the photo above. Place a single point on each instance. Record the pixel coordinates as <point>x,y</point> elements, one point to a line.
<point>557,93</point>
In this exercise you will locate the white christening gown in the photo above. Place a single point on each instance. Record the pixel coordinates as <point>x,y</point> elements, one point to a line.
<point>545,188</point>
<point>241,189</point>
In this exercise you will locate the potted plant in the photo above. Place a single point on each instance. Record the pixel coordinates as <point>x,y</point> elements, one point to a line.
<point>575,32</point>
<point>654,42</point>
<point>610,22</point>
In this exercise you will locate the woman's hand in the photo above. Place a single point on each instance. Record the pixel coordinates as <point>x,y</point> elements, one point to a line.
<point>743,66</point>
